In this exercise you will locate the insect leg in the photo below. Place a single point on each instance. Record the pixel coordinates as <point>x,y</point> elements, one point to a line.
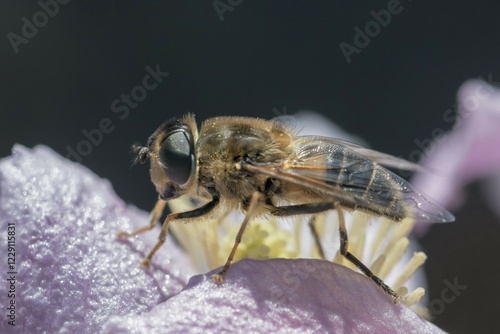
<point>321,207</point>
<point>164,229</point>
<point>146,262</point>
<point>253,205</point>
<point>311,208</point>
<point>315,235</point>
<point>153,219</point>
<point>343,250</point>
<point>181,215</point>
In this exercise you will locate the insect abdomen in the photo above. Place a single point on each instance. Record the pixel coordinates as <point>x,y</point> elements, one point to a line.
<point>374,188</point>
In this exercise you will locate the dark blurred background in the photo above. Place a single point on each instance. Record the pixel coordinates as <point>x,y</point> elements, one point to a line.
<point>251,58</point>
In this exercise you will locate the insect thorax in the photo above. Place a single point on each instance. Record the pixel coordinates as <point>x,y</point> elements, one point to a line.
<point>220,151</point>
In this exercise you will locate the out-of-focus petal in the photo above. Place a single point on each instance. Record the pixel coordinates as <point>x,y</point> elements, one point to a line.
<point>72,272</point>
<point>492,191</point>
<point>312,123</point>
<point>468,152</point>
<point>278,296</point>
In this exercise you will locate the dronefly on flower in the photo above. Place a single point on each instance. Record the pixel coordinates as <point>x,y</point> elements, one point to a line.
<point>75,276</point>
<point>262,167</point>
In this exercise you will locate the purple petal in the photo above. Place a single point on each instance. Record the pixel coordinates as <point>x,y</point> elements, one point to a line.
<point>72,273</point>
<point>74,276</point>
<point>278,296</point>
<point>470,151</point>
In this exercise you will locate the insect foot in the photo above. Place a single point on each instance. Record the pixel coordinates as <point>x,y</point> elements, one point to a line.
<point>146,263</point>
<point>122,235</point>
<point>386,288</point>
<point>397,299</point>
<point>217,278</point>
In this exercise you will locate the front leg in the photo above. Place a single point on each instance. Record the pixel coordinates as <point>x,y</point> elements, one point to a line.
<point>198,212</point>
<point>153,219</point>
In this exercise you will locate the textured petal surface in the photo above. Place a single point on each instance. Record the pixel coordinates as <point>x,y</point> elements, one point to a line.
<point>72,273</point>
<point>278,296</point>
<point>74,276</point>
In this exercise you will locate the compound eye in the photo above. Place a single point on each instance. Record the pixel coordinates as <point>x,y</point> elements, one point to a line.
<point>177,157</point>
<point>143,157</point>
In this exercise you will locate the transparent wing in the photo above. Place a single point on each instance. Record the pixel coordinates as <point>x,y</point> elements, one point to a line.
<point>384,159</point>
<point>327,166</point>
<point>287,120</point>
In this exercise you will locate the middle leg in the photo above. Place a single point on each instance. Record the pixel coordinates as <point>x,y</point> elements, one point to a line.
<point>253,205</point>
<point>315,234</point>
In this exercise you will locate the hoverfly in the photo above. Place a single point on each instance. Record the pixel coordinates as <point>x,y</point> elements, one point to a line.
<point>263,167</point>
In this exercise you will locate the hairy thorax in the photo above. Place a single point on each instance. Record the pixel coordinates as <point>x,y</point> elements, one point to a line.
<point>222,148</point>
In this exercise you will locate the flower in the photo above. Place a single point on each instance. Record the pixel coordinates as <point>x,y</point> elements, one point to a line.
<point>468,152</point>
<point>74,275</point>
<point>277,296</point>
<point>378,242</point>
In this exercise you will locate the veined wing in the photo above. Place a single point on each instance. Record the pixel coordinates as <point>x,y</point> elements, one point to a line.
<point>325,165</point>
<point>384,159</point>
